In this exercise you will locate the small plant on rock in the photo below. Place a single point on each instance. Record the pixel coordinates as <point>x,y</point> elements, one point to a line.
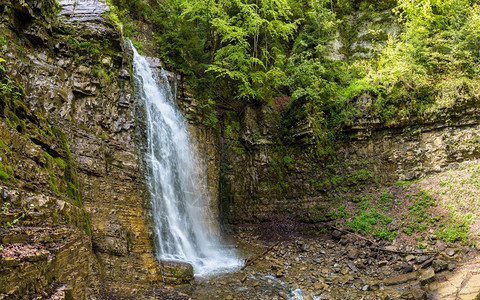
<point>17,219</point>
<point>6,207</point>
<point>372,222</point>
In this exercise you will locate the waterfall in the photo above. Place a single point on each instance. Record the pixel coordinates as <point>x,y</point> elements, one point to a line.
<point>174,179</point>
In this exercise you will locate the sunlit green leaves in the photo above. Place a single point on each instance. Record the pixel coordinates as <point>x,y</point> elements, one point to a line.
<point>432,63</point>
<point>250,37</point>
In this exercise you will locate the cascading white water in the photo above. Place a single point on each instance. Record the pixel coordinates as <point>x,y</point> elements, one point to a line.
<point>174,180</point>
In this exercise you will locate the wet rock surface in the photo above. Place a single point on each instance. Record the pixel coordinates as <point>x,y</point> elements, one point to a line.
<point>177,272</point>
<point>83,11</point>
<point>44,257</point>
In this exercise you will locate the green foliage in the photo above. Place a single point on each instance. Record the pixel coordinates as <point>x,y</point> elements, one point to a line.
<point>250,49</point>
<point>9,89</point>
<point>337,180</point>
<point>369,220</point>
<point>362,176</point>
<point>322,88</point>
<point>279,167</point>
<point>422,201</point>
<point>111,15</point>
<point>434,62</point>
<point>418,216</point>
<point>208,112</point>
<point>454,232</point>
<point>68,184</point>
<point>241,44</point>
<point>340,212</point>
<point>320,214</point>
<point>57,184</point>
<point>4,176</point>
<point>288,161</point>
<point>23,3</point>
<point>6,207</point>
<point>385,234</point>
<point>60,162</point>
<point>456,227</point>
<point>372,222</point>
<point>385,201</point>
<point>68,218</point>
<point>12,106</point>
<point>53,185</point>
<point>86,223</point>
<point>84,49</point>
<point>6,173</point>
<point>70,171</point>
<point>54,216</point>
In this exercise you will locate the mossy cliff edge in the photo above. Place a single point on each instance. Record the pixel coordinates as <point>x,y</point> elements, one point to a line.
<point>73,211</point>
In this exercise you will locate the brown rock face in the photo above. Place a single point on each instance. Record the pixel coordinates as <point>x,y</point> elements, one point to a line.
<point>178,272</point>
<point>263,177</point>
<point>45,251</point>
<point>64,261</point>
<point>70,135</point>
<point>401,279</point>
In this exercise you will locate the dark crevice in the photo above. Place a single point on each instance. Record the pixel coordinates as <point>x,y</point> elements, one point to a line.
<point>46,148</point>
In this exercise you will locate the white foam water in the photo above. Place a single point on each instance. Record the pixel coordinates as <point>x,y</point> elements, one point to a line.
<point>174,180</point>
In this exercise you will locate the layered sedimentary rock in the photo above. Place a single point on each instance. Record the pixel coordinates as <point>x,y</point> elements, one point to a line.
<point>69,134</point>
<point>262,179</point>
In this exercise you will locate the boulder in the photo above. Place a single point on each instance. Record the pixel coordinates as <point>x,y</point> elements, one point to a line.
<point>401,279</point>
<point>176,272</point>
<point>439,265</point>
<point>427,276</point>
<point>352,253</point>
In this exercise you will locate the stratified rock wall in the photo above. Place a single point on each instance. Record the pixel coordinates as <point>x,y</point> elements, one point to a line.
<point>415,148</point>
<point>206,141</point>
<point>74,140</point>
<point>261,178</point>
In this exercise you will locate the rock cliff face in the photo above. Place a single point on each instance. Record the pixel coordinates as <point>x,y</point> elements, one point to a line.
<point>207,145</point>
<point>68,147</point>
<point>267,169</point>
<point>263,179</point>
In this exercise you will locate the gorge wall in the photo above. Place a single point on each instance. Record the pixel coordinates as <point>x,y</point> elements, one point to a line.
<point>264,179</point>
<point>256,175</point>
<point>69,151</point>
<point>268,168</point>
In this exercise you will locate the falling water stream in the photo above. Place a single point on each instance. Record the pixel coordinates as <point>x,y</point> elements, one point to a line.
<point>174,178</point>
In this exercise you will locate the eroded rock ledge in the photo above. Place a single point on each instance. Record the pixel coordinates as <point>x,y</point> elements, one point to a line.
<point>69,136</point>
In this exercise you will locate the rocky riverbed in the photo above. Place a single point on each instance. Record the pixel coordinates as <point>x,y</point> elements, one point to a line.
<point>340,265</point>
<point>313,261</point>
